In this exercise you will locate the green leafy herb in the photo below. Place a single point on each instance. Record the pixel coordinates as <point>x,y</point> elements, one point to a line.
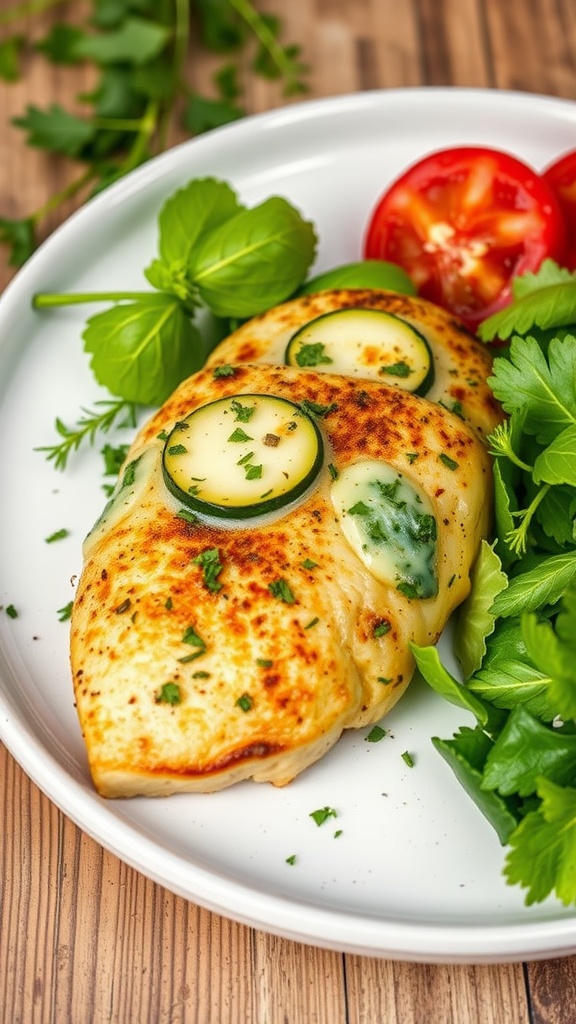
<point>517,630</point>
<point>312,355</point>
<point>447,461</point>
<point>281,589</point>
<point>244,702</point>
<point>57,535</point>
<point>65,613</point>
<point>408,759</point>
<point>400,369</point>
<point>139,54</point>
<point>376,734</point>
<point>322,814</point>
<point>169,694</point>
<point>209,559</point>
<point>11,611</point>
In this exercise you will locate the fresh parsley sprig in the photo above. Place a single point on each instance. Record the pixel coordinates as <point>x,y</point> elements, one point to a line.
<point>142,55</point>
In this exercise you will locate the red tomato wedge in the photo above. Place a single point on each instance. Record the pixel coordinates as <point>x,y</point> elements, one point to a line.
<point>463,222</point>
<point>561,176</point>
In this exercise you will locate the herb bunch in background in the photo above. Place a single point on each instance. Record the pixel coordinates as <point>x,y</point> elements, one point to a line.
<point>142,52</point>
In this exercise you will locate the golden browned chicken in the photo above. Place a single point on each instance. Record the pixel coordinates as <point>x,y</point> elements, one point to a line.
<point>275,541</point>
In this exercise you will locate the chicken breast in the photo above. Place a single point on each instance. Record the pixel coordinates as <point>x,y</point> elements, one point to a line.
<point>209,649</point>
<point>461,363</point>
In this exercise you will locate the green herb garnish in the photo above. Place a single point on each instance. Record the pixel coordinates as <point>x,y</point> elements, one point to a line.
<point>322,815</point>
<point>281,589</point>
<point>169,694</point>
<point>57,535</point>
<point>209,559</point>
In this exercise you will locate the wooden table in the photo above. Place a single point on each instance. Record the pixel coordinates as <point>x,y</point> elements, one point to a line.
<point>83,938</point>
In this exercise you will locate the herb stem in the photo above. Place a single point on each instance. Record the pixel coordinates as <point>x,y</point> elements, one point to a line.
<point>64,194</point>
<point>44,300</point>
<point>24,10</point>
<point>264,35</point>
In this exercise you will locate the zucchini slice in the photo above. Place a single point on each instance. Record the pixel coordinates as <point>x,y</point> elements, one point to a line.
<point>242,456</point>
<point>367,343</point>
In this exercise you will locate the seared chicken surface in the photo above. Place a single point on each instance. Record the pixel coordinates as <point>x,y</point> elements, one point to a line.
<point>209,649</point>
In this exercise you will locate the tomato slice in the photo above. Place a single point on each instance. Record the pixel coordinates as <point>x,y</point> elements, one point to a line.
<point>561,176</point>
<point>463,222</point>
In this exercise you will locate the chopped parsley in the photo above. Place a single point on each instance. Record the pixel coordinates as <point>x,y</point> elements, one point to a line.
<point>309,564</point>
<point>253,472</point>
<point>244,702</point>
<point>239,435</point>
<point>312,622</point>
<point>264,662</point>
<point>332,470</point>
<point>291,859</point>
<point>223,371</point>
<point>312,355</point>
<point>376,734</point>
<point>209,560</point>
<point>57,535</point>
<point>382,627</point>
<point>11,611</point>
<point>169,694</point>
<point>322,815</point>
<point>408,759</point>
<point>243,412</point>
<point>280,588</point>
<point>187,515</point>
<point>65,613</point>
<point>177,449</point>
<point>400,369</point>
<point>447,461</point>
<point>113,458</point>
<point>412,456</point>
<point>316,408</point>
<point>191,637</point>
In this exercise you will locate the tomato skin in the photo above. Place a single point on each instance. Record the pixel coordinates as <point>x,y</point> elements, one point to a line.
<point>561,176</point>
<point>463,222</point>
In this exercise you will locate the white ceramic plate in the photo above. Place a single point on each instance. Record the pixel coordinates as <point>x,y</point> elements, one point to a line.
<point>417,872</point>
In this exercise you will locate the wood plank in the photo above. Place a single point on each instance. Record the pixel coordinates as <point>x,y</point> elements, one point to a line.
<point>381,990</point>
<point>553,990</point>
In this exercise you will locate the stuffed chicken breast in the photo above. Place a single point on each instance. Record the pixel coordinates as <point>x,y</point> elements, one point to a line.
<point>276,540</point>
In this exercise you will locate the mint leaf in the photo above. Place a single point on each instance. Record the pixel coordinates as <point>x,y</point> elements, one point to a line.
<point>142,350</point>
<point>56,130</point>
<point>254,260</point>
<point>544,389</point>
<point>543,854</point>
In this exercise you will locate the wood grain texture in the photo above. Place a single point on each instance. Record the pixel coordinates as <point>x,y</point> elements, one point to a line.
<point>84,939</point>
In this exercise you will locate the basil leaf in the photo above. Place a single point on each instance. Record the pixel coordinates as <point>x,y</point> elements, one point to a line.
<point>201,206</point>
<point>254,260</point>
<point>142,350</point>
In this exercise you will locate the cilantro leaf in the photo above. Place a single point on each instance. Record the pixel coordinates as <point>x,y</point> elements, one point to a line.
<point>544,300</point>
<point>545,389</point>
<point>56,130</point>
<point>557,463</point>
<point>135,41</point>
<point>142,350</point>
<point>543,854</point>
